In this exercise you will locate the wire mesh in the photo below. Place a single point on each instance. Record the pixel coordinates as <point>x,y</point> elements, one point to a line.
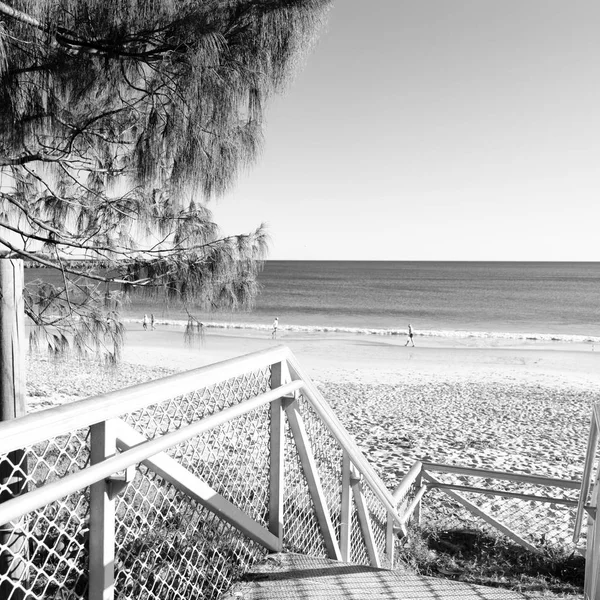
<point>49,546</point>
<point>328,455</point>
<point>301,530</point>
<point>541,523</point>
<point>169,546</point>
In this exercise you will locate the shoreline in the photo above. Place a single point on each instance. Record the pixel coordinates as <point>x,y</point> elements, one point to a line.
<point>517,406</point>
<point>376,359</point>
<point>449,335</point>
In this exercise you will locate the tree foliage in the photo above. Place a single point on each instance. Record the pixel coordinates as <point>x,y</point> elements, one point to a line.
<point>119,119</point>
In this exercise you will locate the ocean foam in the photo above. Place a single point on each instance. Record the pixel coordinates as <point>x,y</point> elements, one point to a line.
<point>449,334</point>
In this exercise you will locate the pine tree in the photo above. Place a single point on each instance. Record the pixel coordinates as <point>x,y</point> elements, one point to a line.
<point>119,120</point>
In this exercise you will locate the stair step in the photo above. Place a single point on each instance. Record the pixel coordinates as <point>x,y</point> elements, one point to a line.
<point>296,576</point>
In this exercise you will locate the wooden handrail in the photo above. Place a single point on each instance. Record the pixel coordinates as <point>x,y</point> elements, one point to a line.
<point>587,474</point>
<point>35,499</point>
<point>407,481</point>
<point>36,427</point>
<point>504,493</point>
<point>521,477</point>
<point>338,431</point>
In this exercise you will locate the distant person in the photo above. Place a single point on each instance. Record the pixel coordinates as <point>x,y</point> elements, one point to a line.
<point>410,336</point>
<point>275,326</point>
<point>152,321</point>
<point>145,321</point>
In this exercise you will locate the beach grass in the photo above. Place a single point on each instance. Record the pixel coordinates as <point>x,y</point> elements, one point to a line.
<point>479,557</point>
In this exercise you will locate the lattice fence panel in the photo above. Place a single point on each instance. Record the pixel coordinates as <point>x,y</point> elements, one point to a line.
<point>328,456</point>
<point>56,536</point>
<point>358,548</point>
<point>378,517</point>
<point>170,548</point>
<point>301,528</point>
<point>539,523</point>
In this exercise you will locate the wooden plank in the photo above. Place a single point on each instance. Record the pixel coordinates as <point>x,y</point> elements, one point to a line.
<point>590,456</point>
<point>592,554</point>
<point>102,517</point>
<point>487,518</point>
<point>523,477</point>
<point>390,539</point>
<point>365,522</point>
<point>407,481</point>
<point>76,481</point>
<point>506,494</point>
<point>419,485</point>
<point>276,470</point>
<point>415,502</point>
<point>194,487</point>
<point>279,375</point>
<point>345,514</point>
<point>38,426</point>
<point>311,473</point>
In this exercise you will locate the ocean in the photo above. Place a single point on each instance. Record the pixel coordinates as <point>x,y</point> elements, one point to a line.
<point>450,299</point>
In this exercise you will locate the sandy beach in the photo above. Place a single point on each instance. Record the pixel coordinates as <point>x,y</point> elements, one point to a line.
<point>491,403</point>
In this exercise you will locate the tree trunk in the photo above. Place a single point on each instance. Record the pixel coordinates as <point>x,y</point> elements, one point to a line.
<point>13,467</point>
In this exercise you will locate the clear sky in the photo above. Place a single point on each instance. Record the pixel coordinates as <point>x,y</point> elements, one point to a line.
<point>435,130</point>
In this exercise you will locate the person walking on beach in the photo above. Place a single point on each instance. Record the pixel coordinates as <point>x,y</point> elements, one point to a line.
<point>275,326</point>
<point>145,321</point>
<point>410,336</point>
<point>152,322</point>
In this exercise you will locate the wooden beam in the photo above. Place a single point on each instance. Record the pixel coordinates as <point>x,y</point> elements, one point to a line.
<point>414,504</point>
<point>279,375</point>
<point>345,440</point>
<point>197,489</point>
<point>506,475</point>
<point>345,512</point>
<point>588,468</point>
<point>483,515</point>
<point>13,468</point>
<point>276,469</point>
<point>102,517</point>
<point>364,520</point>
<point>591,585</point>
<point>506,494</point>
<point>410,477</point>
<point>34,428</point>
<point>78,480</point>
<point>309,467</point>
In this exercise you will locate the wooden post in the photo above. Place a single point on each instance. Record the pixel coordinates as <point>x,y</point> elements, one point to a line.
<point>417,513</point>
<point>390,539</point>
<point>102,517</point>
<point>276,458</point>
<point>346,510</point>
<point>364,519</point>
<point>591,589</point>
<point>13,470</point>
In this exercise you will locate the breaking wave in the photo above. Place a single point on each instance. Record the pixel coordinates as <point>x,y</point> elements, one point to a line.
<point>439,333</point>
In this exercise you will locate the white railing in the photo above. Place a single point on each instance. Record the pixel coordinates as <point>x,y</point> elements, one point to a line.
<point>588,503</point>
<point>172,488</point>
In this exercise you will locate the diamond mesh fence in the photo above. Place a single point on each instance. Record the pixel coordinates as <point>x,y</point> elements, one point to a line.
<point>48,547</point>
<point>169,545</point>
<point>540,523</point>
